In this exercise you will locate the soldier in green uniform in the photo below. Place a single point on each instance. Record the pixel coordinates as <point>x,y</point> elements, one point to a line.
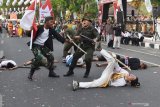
<point>68,45</point>
<point>87,44</point>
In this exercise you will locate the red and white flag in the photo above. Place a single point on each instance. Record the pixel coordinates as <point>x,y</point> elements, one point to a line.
<point>46,10</point>
<point>28,17</point>
<point>116,8</point>
<point>120,4</point>
<point>29,20</point>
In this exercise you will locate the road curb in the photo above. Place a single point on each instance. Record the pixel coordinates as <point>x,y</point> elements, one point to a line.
<point>150,45</point>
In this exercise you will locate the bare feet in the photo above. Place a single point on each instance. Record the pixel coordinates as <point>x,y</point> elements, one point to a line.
<point>56,61</point>
<point>27,63</point>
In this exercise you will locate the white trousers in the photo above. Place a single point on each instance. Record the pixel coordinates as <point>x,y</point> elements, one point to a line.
<point>108,38</point>
<point>106,74</point>
<point>117,41</point>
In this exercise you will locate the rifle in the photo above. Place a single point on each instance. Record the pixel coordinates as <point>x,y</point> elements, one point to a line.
<point>91,40</point>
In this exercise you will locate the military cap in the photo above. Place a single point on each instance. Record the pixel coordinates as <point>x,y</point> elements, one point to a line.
<point>87,17</point>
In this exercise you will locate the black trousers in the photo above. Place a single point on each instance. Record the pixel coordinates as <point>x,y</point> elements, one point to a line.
<point>88,58</point>
<point>135,41</point>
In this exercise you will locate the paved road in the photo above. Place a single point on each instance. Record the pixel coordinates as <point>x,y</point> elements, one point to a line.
<point>18,91</point>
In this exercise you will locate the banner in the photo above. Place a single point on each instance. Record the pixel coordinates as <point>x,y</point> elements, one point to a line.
<point>28,18</point>
<point>1,2</point>
<point>75,15</point>
<point>14,2</point>
<point>107,1</point>
<point>46,10</point>
<point>100,12</point>
<point>120,4</point>
<point>148,5</point>
<point>61,15</point>
<point>20,2</point>
<point>26,2</point>
<point>8,2</point>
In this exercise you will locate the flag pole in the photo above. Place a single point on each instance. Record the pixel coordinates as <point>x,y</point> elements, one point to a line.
<point>31,41</point>
<point>39,12</point>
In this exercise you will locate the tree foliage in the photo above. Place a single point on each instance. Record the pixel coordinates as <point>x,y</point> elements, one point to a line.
<point>137,3</point>
<point>155,2</point>
<point>78,6</point>
<point>140,5</point>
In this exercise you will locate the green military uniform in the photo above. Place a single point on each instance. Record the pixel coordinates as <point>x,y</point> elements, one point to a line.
<point>86,45</point>
<point>43,57</point>
<point>43,52</point>
<point>68,45</point>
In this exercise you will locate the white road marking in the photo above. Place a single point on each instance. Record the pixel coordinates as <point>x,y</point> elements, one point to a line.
<point>156,51</point>
<point>140,52</point>
<point>143,48</point>
<point>151,63</point>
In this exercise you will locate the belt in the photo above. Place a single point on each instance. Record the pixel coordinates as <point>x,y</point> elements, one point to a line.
<point>38,45</point>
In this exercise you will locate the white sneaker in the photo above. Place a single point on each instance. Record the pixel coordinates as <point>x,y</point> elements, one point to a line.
<point>75,85</point>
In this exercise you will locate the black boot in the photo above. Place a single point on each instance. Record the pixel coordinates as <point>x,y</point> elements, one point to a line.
<point>31,74</point>
<point>53,74</point>
<point>69,73</point>
<point>86,74</point>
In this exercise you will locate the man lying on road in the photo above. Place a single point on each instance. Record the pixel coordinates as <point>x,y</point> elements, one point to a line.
<point>113,75</point>
<point>7,64</point>
<point>133,63</point>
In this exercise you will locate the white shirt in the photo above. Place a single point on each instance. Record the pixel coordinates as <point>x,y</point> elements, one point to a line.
<point>5,62</point>
<point>118,83</point>
<point>121,81</point>
<point>127,34</point>
<point>70,57</point>
<point>140,35</point>
<point>40,40</point>
<point>98,29</point>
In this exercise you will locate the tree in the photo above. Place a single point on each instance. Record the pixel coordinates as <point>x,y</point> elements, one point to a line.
<point>58,6</point>
<point>136,3</point>
<point>78,6</point>
<point>155,3</point>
